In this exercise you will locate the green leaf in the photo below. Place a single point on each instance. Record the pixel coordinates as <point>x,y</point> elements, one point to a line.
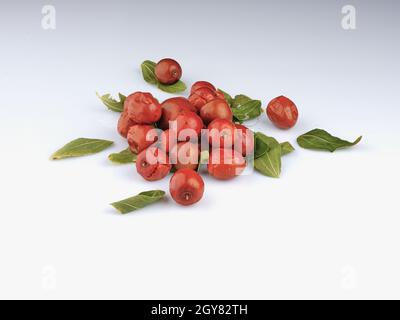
<point>249,110</point>
<point>269,164</point>
<point>204,157</point>
<point>81,147</point>
<point>112,104</point>
<point>286,148</point>
<point>138,202</point>
<point>319,139</point>
<point>227,96</point>
<point>124,157</point>
<point>261,147</point>
<point>148,72</point>
<point>240,100</point>
<point>173,88</point>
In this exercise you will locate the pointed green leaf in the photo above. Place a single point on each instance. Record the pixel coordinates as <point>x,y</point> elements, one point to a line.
<point>240,100</point>
<point>148,72</point>
<point>112,104</point>
<point>286,148</point>
<point>269,163</point>
<point>227,96</point>
<point>138,202</point>
<point>247,111</point>
<point>319,139</point>
<point>81,147</point>
<point>124,157</point>
<point>173,88</point>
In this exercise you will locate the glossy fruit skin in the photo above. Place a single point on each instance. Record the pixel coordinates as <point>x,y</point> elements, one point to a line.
<point>201,96</point>
<point>202,84</point>
<point>185,155</point>
<point>168,71</point>
<point>143,108</point>
<point>283,112</point>
<point>229,165</point>
<point>153,164</point>
<point>189,120</point>
<point>244,138</point>
<point>173,107</point>
<point>186,187</point>
<point>222,131</point>
<point>216,109</point>
<point>137,137</point>
<point>124,124</point>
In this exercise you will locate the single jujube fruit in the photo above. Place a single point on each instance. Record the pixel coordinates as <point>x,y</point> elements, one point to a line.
<point>124,124</point>
<point>168,71</point>
<point>141,136</point>
<point>188,120</point>
<point>216,109</point>
<point>153,164</point>
<point>186,187</point>
<point>283,112</point>
<point>142,108</point>
<point>225,164</point>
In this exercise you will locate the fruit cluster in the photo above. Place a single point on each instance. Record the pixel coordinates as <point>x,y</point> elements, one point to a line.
<point>170,136</point>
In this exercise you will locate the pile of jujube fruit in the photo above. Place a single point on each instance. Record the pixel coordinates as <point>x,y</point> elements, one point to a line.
<point>170,136</point>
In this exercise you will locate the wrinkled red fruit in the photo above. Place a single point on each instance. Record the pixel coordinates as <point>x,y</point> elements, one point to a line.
<point>168,71</point>
<point>185,155</point>
<point>141,136</point>
<point>216,109</point>
<point>225,164</point>
<point>124,124</point>
<point>188,120</point>
<point>221,133</point>
<point>173,107</point>
<point>282,112</point>
<point>201,96</point>
<point>202,84</point>
<point>153,164</point>
<point>244,140</point>
<point>143,108</point>
<point>186,187</point>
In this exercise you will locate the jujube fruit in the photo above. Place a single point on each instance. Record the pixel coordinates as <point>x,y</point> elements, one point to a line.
<point>168,71</point>
<point>143,108</point>
<point>173,107</point>
<point>153,164</point>
<point>202,84</point>
<point>124,124</point>
<point>141,136</point>
<point>225,164</point>
<point>189,120</point>
<point>216,109</point>
<point>282,112</point>
<point>201,96</point>
<point>186,187</point>
<point>221,133</point>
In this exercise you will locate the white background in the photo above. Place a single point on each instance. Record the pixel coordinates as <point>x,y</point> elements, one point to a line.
<point>328,228</point>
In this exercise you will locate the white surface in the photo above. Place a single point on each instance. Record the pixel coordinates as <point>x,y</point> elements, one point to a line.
<point>329,228</point>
